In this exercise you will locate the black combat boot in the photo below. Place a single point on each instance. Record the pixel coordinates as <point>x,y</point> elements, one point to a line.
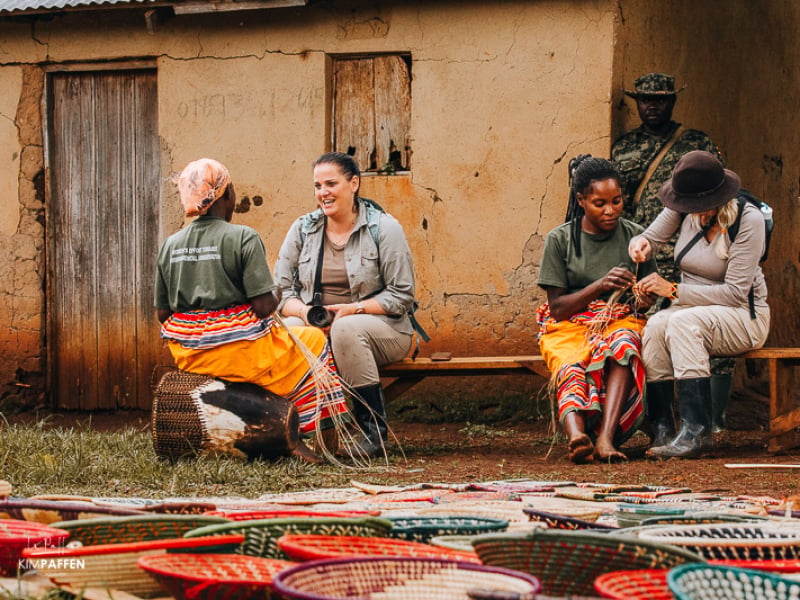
<point>694,437</point>
<point>370,413</point>
<point>659,400</point>
<point>720,392</point>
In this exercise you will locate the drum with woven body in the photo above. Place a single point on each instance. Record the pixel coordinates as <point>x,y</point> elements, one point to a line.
<point>196,414</point>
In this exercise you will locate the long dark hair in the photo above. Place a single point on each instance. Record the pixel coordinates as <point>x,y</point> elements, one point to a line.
<point>583,170</point>
<point>345,162</point>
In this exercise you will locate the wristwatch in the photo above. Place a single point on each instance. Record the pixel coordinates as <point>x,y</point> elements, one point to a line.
<point>360,309</point>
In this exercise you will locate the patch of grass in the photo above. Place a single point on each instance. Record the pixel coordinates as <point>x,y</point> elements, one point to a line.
<point>473,430</point>
<point>37,459</point>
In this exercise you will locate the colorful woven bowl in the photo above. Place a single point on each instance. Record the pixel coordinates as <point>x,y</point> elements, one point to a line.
<point>250,515</point>
<point>713,582</point>
<point>52,511</point>
<point>733,541</point>
<point>17,535</point>
<point>119,530</point>
<point>214,576</point>
<point>632,515</point>
<point>401,578</point>
<point>568,562</point>
<point>114,566</point>
<point>771,566</point>
<point>454,542</point>
<point>642,584</point>
<point>422,529</point>
<point>301,547</point>
<point>555,521</point>
<point>261,536</point>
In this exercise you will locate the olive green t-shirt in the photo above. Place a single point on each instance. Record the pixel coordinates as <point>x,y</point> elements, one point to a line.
<point>211,264</point>
<point>562,268</point>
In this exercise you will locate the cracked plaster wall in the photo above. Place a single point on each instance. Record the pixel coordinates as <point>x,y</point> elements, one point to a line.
<point>502,96</point>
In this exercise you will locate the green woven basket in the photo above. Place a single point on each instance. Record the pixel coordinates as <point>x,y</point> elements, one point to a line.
<point>261,535</point>
<point>422,529</point>
<point>119,530</point>
<point>713,582</point>
<point>568,562</point>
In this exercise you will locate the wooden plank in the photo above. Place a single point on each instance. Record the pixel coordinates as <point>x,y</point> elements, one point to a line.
<point>354,109</point>
<point>463,365</point>
<point>785,422</point>
<point>392,109</point>
<point>784,353</point>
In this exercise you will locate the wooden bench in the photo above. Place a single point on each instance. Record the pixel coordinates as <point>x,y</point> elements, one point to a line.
<point>784,416</point>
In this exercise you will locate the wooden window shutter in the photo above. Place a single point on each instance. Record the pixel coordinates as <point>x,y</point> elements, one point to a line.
<point>372,111</point>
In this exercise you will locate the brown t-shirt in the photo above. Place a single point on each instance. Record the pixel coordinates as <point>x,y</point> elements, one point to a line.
<point>335,285</point>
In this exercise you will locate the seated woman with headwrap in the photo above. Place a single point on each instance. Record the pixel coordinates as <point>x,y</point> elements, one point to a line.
<point>215,295</point>
<point>590,335</point>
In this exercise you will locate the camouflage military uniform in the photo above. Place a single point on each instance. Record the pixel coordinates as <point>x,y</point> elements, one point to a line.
<point>633,153</point>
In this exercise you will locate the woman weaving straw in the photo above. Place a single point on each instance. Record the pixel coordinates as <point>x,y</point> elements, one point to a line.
<point>589,329</point>
<point>215,296</point>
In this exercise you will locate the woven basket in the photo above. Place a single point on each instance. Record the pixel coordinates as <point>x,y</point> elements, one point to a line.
<point>700,518</point>
<point>250,515</point>
<point>301,547</point>
<point>642,584</point>
<point>555,521</point>
<point>422,529</point>
<point>214,576</point>
<point>454,542</point>
<point>53,511</point>
<point>568,562</point>
<point>17,535</point>
<point>632,515</point>
<point>177,427</point>
<point>114,566</point>
<point>771,566</point>
<point>402,578</point>
<point>732,541</point>
<point>117,530</point>
<point>508,510</point>
<point>261,535</point>
<point>713,582</point>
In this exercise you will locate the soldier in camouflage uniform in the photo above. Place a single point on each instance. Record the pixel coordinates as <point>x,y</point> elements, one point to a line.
<point>655,96</point>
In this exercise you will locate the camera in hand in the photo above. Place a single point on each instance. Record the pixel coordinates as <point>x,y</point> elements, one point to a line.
<point>319,316</point>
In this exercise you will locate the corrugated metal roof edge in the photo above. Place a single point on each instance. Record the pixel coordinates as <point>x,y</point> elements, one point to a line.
<point>26,7</point>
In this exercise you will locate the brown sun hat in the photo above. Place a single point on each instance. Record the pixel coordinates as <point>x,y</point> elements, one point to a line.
<point>699,183</point>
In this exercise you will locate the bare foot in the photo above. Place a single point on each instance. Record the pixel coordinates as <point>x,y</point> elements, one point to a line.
<point>305,453</point>
<point>581,449</point>
<point>605,452</point>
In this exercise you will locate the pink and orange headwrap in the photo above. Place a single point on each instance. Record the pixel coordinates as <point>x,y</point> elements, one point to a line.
<point>201,183</point>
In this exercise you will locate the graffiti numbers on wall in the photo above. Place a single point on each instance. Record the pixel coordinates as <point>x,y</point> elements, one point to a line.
<point>225,106</point>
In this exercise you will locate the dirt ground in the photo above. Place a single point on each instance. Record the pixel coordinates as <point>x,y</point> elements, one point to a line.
<point>459,452</point>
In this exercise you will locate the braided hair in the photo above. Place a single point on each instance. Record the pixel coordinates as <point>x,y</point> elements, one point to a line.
<point>583,170</point>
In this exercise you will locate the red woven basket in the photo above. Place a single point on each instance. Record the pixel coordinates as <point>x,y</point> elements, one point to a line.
<point>643,584</point>
<point>17,535</point>
<point>302,547</point>
<point>773,566</point>
<point>214,576</point>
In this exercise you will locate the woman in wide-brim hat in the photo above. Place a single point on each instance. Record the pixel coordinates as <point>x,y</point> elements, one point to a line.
<point>719,308</point>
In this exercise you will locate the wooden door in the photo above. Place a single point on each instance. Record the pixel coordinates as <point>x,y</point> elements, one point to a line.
<point>102,231</point>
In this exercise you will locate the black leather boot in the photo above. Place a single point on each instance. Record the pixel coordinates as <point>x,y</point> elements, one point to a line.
<point>720,392</point>
<point>370,413</point>
<point>659,400</point>
<point>694,437</point>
